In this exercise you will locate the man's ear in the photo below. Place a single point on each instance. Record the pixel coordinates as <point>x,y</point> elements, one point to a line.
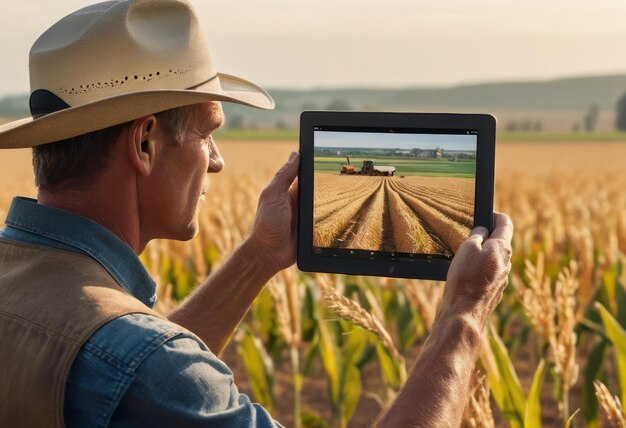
<point>142,144</point>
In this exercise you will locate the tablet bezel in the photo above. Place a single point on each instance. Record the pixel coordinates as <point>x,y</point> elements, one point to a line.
<point>435,268</point>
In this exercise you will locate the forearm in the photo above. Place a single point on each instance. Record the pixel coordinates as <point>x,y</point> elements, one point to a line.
<point>436,391</point>
<point>215,309</point>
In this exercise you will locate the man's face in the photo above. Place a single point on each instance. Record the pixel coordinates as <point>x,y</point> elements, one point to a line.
<point>180,178</point>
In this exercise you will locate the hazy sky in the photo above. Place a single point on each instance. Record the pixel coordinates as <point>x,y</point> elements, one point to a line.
<point>394,141</point>
<point>307,44</point>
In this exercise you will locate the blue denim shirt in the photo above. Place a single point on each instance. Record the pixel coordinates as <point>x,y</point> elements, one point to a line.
<point>137,370</point>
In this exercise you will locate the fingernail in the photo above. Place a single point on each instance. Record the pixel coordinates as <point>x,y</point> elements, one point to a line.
<point>292,155</point>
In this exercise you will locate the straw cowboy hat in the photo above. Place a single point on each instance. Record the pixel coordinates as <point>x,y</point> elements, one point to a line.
<point>116,61</point>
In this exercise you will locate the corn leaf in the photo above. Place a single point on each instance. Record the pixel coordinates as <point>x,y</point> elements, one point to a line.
<point>211,256</point>
<point>487,361</point>
<point>354,345</point>
<point>263,315</point>
<point>179,279</point>
<point>313,420</point>
<point>258,367</point>
<point>593,370</point>
<point>308,318</point>
<point>351,391</point>
<point>165,271</point>
<point>392,370</point>
<point>406,326</point>
<point>331,358</point>
<point>312,352</point>
<point>144,258</point>
<point>513,400</point>
<point>389,303</point>
<point>609,282</point>
<point>532,416</point>
<point>368,355</point>
<point>617,335</point>
<point>620,297</point>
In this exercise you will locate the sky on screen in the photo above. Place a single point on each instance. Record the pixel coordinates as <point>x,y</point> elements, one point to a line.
<point>330,43</point>
<point>368,140</point>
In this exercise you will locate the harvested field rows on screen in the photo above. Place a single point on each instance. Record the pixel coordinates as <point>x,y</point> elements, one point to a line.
<point>410,215</point>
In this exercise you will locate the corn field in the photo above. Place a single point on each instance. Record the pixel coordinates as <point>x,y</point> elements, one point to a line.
<point>332,351</point>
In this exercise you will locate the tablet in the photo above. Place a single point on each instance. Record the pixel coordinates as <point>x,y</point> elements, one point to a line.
<point>392,194</point>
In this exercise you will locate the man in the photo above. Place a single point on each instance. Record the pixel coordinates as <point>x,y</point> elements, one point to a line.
<point>124,98</point>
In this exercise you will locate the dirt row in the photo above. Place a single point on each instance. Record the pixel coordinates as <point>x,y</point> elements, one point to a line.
<point>392,214</point>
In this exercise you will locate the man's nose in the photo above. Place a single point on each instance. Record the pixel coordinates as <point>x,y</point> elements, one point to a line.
<point>216,163</point>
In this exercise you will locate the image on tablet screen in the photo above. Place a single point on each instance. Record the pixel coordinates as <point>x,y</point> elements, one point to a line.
<point>392,193</point>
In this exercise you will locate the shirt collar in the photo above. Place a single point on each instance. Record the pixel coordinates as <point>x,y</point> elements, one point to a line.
<point>86,236</point>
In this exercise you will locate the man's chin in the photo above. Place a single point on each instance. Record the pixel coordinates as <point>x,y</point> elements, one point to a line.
<point>191,232</point>
<point>185,234</point>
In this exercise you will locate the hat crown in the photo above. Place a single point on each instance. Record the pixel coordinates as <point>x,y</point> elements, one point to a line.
<point>57,36</point>
<point>120,47</point>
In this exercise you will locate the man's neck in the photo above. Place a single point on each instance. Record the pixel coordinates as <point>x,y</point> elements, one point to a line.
<point>112,209</point>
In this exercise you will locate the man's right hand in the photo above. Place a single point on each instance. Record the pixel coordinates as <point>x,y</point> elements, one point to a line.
<point>273,237</point>
<point>479,272</point>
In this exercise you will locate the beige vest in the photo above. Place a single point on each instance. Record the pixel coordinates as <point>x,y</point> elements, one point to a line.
<point>51,302</point>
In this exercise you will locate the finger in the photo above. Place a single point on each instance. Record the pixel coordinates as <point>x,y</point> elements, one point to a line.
<point>293,189</point>
<point>503,227</point>
<point>479,232</point>
<point>475,239</point>
<point>286,175</point>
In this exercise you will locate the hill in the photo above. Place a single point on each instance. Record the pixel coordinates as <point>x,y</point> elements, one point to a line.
<point>557,103</point>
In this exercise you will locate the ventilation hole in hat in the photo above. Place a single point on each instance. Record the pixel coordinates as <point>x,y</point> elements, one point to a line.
<point>88,87</point>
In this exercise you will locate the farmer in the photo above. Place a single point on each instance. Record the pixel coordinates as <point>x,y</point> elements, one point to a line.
<point>124,98</point>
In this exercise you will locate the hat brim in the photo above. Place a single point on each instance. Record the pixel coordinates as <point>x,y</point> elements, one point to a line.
<point>112,111</point>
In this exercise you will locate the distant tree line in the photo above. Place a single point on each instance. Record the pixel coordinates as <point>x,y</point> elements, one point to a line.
<point>620,116</point>
<point>238,120</point>
<point>397,153</point>
<point>524,125</point>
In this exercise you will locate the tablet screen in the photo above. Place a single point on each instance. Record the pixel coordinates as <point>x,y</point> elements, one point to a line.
<point>392,194</point>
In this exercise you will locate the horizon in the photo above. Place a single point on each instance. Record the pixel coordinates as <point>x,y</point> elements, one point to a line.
<point>495,81</point>
<point>290,46</point>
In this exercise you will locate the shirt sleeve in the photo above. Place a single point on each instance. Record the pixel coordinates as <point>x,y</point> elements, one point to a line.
<point>182,383</point>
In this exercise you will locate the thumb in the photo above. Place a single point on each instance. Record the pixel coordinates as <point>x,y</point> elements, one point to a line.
<point>287,173</point>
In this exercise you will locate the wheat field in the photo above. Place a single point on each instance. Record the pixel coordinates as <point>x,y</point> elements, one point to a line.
<point>405,214</point>
<point>556,346</point>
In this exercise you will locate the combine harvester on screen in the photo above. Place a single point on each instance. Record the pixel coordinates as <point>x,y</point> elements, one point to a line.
<point>368,168</point>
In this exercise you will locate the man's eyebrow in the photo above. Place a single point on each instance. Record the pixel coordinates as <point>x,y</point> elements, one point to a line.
<point>217,122</point>
<point>216,118</point>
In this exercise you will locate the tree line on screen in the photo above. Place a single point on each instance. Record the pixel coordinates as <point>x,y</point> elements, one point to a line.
<point>436,153</point>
